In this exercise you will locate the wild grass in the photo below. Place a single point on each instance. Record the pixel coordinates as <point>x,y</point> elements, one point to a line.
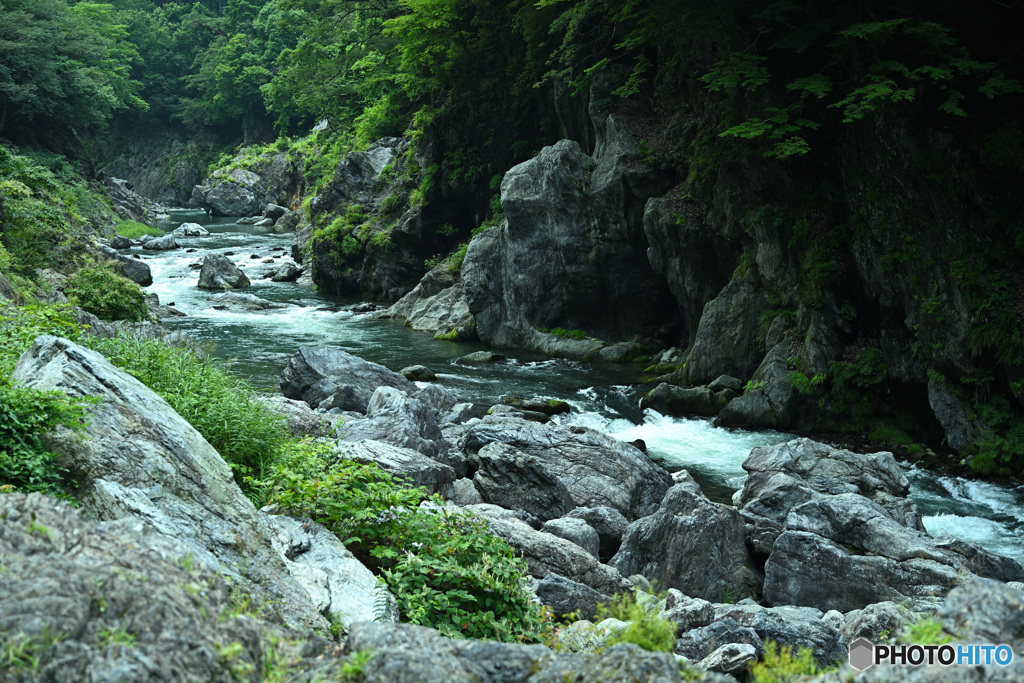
<point>133,230</point>
<point>222,407</point>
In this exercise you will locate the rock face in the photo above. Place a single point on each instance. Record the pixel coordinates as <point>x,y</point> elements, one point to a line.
<point>517,481</point>
<point>161,165</point>
<point>392,239</point>
<point>315,373</point>
<point>218,272</point>
<point>396,418</point>
<point>126,202</point>
<point>596,469</point>
<point>690,544</point>
<point>567,254</point>
<point>839,533</point>
<point>139,460</point>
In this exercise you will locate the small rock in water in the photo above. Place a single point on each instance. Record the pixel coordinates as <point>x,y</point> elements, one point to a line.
<point>229,253</point>
<point>190,251</point>
<point>418,373</point>
<point>267,260</point>
<point>364,308</point>
<point>255,256</point>
<point>640,444</point>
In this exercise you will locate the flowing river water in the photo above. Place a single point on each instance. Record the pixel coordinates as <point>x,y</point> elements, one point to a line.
<point>602,395</point>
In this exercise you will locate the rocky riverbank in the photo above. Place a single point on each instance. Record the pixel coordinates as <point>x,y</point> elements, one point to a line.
<point>821,546</point>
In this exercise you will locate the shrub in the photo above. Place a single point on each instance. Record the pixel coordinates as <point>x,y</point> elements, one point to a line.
<point>446,570</point>
<point>645,629</point>
<point>133,230</point>
<point>929,631</point>
<point>223,408</point>
<point>107,295</point>
<point>25,416</point>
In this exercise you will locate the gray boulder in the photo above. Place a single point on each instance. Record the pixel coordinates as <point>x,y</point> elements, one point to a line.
<point>315,373</point>
<point>518,481</point>
<point>878,622</point>
<point>575,530</point>
<point>120,243</point>
<point>190,230</point>
<point>437,304</point>
<point>729,658</point>
<point>700,642</point>
<point>274,211</point>
<point>596,469</point>
<point>610,525</point>
<point>287,272</point>
<point>138,459</point>
<point>783,476</point>
<point>161,243</point>
<point>404,463</point>
<point>685,612</point>
<point>300,419</point>
<point>954,417</point>
<point>233,194</point>
<point>775,404</point>
<point>681,401</point>
<point>397,419</point>
<point>565,596</point>
<point>288,223</point>
<point>218,272</point>
<point>690,544</point>
<point>795,627</point>
<point>547,554</point>
<point>71,584</point>
<point>132,268</point>
<point>418,373</point>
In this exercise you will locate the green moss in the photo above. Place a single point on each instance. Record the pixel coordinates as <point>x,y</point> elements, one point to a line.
<point>562,333</point>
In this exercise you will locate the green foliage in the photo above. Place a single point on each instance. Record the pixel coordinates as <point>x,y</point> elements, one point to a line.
<point>928,631</point>
<point>106,294</point>
<point>223,408</point>
<point>353,667</point>
<point>65,70</point>
<point>852,385</point>
<point>890,435</point>
<point>133,230</point>
<point>1001,450</point>
<point>645,629</point>
<point>562,333</point>
<point>781,665</point>
<point>446,569</point>
<point>807,386</point>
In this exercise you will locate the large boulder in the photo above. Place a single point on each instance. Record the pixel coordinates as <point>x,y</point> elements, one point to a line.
<point>844,552</point>
<point>243,301</point>
<point>138,459</point>
<point>548,554</point>
<point>160,243</point>
<point>134,269</point>
<point>218,272</point>
<point>518,481</point>
<point>774,403</point>
<point>726,341</point>
<point>668,399</point>
<point>315,373</point>
<point>564,596</point>
<point>232,194</point>
<point>690,544</point>
<point>786,475</point>
<point>190,230</point>
<point>395,418</point>
<point>437,304</point>
<point>610,525</point>
<point>596,469</point>
<point>795,627</point>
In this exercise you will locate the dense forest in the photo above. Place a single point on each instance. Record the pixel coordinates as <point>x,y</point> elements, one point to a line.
<point>856,165</point>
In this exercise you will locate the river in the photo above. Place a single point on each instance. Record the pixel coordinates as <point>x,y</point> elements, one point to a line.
<point>603,396</point>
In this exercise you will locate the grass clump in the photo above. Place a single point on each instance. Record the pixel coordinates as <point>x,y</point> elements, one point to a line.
<point>562,333</point>
<point>222,407</point>
<point>929,631</point>
<point>446,570</point>
<point>106,294</point>
<point>133,230</point>
<point>645,629</point>
<point>781,665</point>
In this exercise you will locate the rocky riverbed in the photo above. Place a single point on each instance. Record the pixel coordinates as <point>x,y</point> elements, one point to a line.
<point>146,576</point>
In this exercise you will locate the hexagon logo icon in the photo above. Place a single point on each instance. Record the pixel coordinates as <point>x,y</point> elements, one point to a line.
<point>862,654</point>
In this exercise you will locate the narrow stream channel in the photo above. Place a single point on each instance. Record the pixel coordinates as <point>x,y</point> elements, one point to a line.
<point>602,395</point>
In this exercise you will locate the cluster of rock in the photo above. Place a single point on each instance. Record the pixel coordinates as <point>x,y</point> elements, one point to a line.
<point>249,185</point>
<point>821,547</point>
